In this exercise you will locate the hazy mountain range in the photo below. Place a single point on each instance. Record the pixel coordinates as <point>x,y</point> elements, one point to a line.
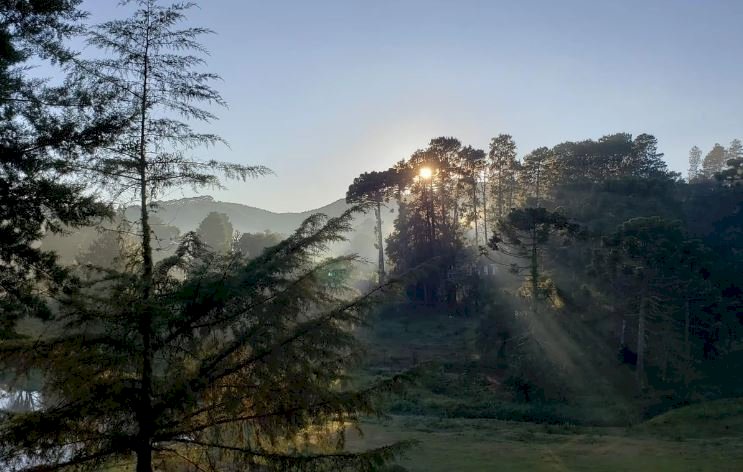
<point>187,213</point>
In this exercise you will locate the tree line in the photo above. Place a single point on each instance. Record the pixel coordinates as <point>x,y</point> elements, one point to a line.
<point>596,239</point>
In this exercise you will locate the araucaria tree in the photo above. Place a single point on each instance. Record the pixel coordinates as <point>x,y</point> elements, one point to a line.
<point>205,359</point>
<point>374,189</point>
<point>523,235</point>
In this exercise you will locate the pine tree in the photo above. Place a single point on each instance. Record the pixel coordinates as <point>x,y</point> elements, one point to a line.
<point>735,150</point>
<point>216,231</point>
<point>428,229</point>
<point>474,162</point>
<point>251,245</point>
<point>731,173</point>
<point>503,165</point>
<point>645,160</point>
<point>251,358</point>
<point>202,358</point>
<point>114,249</point>
<point>653,261</point>
<point>537,175</point>
<point>714,161</point>
<point>44,133</point>
<point>695,162</point>
<point>522,235</point>
<point>152,74</point>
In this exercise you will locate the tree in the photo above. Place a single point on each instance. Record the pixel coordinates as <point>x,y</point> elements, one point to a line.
<point>152,75</point>
<point>695,162</point>
<point>474,163</point>
<point>735,150</point>
<point>44,132</point>
<point>593,161</point>
<point>216,231</point>
<point>200,358</point>
<point>428,229</point>
<point>615,156</point>
<point>537,174</point>
<point>655,270</point>
<point>714,161</point>
<point>251,357</point>
<point>503,167</point>
<point>165,237</point>
<point>252,245</point>
<point>443,158</point>
<point>149,75</point>
<point>114,249</point>
<point>645,161</point>
<point>374,188</point>
<point>732,175</point>
<point>523,234</point>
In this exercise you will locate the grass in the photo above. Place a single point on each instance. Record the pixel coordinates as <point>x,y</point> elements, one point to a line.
<point>485,445</point>
<point>719,418</point>
<point>463,423</point>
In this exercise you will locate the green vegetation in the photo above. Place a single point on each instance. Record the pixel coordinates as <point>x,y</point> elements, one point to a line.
<point>578,307</point>
<point>717,418</point>
<point>474,445</point>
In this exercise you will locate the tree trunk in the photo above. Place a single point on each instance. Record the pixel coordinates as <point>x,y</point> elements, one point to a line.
<point>511,188</point>
<point>687,322</point>
<point>500,193</point>
<point>380,243</point>
<point>687,347</point>
<point>534,270</point>
<point>539,171</point>
<point>474,204</point>
<point>641,343</point>
<point>485,211</point>
<point>144,411</point>
<point>432,207</point>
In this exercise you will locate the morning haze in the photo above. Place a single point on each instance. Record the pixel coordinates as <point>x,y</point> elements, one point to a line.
<point>444,236</point>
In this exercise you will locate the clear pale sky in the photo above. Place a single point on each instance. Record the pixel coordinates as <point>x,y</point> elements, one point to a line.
<point>321,91</point>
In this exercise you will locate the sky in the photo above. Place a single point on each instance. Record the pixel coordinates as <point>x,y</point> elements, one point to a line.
<point>321,91</point>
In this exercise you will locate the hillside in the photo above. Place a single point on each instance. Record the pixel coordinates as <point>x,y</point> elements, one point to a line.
<point>187,213</point>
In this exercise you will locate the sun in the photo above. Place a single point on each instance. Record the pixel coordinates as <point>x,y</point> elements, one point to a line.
<point>425,172</point>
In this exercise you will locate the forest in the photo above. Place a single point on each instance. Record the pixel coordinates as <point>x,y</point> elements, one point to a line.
<point>475,306</point>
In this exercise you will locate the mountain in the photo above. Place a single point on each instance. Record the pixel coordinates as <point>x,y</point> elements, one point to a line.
<point>187,213</point>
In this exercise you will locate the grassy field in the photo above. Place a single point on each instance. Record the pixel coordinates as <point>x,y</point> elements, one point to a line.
<point>485,445</point>
<point>462,423</point>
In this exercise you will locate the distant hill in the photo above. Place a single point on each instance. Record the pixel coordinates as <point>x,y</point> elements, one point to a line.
<point>187,213</point>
